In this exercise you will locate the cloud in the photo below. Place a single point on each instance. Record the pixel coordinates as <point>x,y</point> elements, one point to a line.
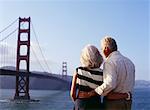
<point>4,49</point>
<point>7,54</point>
<point>7,49</point>
<point>37,62</point>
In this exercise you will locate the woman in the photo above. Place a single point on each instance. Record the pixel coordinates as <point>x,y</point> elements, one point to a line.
<point>86,78</point>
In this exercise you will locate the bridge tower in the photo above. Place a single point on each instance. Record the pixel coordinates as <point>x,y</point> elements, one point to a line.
<point>22,80</point>
<point>64,69</point>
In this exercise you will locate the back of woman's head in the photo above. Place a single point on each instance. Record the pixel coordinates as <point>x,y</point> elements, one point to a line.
<point>90,57</point>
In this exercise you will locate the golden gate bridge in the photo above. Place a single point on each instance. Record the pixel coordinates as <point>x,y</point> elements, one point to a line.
<point>23,55</point>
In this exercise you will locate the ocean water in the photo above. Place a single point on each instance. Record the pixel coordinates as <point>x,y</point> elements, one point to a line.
<point>60,100</point>
<point>141,99</point>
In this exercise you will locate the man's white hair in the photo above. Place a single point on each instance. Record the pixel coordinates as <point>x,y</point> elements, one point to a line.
<point>90,57</point>
<point>109,42</point>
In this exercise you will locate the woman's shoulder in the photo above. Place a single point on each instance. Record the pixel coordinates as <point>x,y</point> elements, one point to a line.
<point>97,69</point>
<point>89,69</point>
<point>94,71</point>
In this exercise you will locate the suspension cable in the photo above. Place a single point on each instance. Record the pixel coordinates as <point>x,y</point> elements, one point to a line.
<point>40,48</point>
<point>9,35</point>
<point>37,58</point>
<point>35,55</point>
<point>8,26</point>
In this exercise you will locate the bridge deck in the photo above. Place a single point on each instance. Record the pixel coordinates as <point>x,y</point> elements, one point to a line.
<point>23,73</point>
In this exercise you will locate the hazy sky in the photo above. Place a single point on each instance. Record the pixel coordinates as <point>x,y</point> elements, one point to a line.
<point>64,27</point>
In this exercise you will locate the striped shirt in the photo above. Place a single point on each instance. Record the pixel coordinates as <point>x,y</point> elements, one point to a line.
<point>88,79</point>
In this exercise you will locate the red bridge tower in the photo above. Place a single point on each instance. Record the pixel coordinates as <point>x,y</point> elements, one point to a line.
<point>22,80</point>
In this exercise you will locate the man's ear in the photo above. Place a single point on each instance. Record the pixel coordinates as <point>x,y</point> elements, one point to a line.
<point>107,51</point>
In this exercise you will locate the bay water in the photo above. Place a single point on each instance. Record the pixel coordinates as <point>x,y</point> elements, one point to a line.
<point>60,100</point>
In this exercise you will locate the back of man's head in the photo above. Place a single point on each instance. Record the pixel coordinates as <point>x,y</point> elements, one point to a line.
<point>109,42</point>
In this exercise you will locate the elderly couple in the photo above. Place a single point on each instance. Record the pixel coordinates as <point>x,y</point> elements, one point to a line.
<point>115,82</point>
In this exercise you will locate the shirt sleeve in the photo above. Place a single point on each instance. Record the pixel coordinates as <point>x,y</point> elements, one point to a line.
<point>109,79</point>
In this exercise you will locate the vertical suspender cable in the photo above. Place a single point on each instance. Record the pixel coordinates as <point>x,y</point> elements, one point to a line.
<point>40,48</point>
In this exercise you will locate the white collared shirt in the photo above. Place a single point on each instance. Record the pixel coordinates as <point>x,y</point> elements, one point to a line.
<point>118,75</point>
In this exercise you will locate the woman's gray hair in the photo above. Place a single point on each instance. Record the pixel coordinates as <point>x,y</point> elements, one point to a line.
<point>91,57</point>
<point>110,43</point>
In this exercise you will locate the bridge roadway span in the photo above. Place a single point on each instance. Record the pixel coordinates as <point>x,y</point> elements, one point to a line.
<point>31,74</point>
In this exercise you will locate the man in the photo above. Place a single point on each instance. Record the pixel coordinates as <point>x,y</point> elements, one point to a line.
<point>118,78</point>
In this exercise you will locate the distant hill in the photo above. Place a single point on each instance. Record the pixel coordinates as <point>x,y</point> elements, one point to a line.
<point>8,82</point>
<point>9,67</point>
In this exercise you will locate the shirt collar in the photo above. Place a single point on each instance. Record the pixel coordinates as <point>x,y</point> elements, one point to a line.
<point>113,53</point>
